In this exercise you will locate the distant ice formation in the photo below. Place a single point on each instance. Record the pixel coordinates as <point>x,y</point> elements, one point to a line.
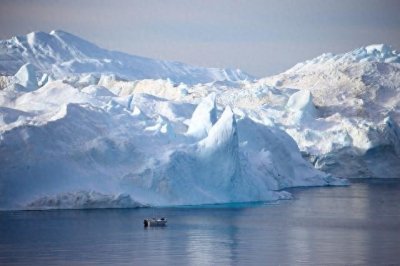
<point>60,53</point>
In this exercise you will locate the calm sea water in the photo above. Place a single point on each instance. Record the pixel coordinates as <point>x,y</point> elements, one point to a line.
<point>356,225</point>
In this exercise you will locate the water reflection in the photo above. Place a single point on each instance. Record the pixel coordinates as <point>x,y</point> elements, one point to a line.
<point>212,238</point>
<point>353,225</point>
<point>325,226</point>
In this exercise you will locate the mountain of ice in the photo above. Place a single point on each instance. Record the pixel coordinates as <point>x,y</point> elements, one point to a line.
<point>79,148</point>
<point>357,96</point>
<point>59,53</point>
<point>80,131</point>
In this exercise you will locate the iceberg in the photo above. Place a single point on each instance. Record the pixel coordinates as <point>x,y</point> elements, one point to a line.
<point>74,147</point>
<point>354,132</point>
<point>60,53</point>
<point>84,128</point>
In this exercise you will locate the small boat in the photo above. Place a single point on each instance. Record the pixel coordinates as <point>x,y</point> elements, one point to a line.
<point>155,222</point>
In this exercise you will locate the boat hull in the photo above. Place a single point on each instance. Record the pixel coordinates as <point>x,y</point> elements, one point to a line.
<point>154,222</point>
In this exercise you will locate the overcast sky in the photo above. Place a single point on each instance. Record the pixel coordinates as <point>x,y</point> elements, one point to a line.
<point>259,36</point>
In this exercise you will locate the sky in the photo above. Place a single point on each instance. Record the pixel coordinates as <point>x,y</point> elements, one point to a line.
<point>261,37</point>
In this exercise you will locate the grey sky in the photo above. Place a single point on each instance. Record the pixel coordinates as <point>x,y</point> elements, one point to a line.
<point>260,37</point>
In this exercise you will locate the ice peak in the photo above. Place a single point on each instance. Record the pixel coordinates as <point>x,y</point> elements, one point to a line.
<point>62,53</point>
<point>380,48</point>
<point>375,52</point>
<point>42,36</point>
<point>203,118</point>
<point>223,133</point>
<point>34,38</point>
<point>68,37</point>
<point>59,32</point>
<point>38,34</point>
<point>70,40</point>
<point>382,53</point>
<point>26,76</point>
<point>64,34</point>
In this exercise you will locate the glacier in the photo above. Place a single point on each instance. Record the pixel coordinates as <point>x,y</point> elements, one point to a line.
<point>83,127</point>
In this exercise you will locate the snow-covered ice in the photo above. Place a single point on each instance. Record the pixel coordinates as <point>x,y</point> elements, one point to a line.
<point>83,127</point>
<point>69,148</point>
<point>357,98</point>
<point>60,53</point>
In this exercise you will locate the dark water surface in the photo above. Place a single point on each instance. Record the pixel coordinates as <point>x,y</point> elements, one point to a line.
<point>356,225</point>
